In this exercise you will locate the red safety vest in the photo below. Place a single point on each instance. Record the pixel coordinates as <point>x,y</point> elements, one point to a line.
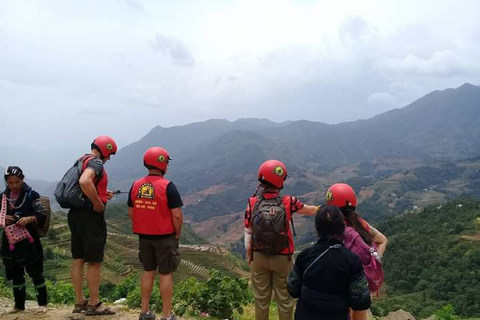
<point>100,185</point>
<point>151,214</point>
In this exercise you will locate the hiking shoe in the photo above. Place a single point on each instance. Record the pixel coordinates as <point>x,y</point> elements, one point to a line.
<point>147,315</point>
<point>14,310</point>
<point>80,307</point>
<point>172,317</point>
<point>41,310</point>
<point>97,310</point>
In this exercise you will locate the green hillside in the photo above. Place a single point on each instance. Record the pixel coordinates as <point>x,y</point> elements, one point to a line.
<point>433,259</point>
<point>121,253</point>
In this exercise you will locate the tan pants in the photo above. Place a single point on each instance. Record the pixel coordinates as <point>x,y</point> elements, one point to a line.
<point>271,272</point>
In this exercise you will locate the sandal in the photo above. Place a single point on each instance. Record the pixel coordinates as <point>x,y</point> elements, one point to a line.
<point>93,310</point>
<point>79,307</point>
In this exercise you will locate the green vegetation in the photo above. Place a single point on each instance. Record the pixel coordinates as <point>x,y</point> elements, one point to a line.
<point>220,295</point>
<point>58,292</point>
<point>432,260</point>
<point>121,253</point>
<point>447,313</point>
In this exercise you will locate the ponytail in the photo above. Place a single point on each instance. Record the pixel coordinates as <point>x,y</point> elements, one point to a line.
<point>354,221</point>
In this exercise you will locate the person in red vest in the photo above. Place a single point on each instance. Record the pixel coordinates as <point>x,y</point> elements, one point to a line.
<point>89,229</point>
<point>269,239</point>
<point>155,208</point>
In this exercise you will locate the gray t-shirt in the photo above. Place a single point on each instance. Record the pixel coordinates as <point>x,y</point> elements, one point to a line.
<point>96,164</point>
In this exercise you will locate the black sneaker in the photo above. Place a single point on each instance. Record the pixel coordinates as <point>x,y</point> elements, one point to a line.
<point>147,316</point>
<point>172,317</point>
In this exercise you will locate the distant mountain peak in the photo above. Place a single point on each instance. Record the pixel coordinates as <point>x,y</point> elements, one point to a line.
<point>468,85</point>
<point>254,120</point>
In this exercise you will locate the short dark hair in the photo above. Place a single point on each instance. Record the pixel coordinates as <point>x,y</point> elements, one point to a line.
<point>329,221</point>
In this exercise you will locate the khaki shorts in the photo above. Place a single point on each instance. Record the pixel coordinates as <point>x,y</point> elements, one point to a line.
<point>159,254</point>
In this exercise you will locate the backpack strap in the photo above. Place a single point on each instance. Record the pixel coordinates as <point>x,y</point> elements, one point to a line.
<point>3,210</point>
<point>335,246</point>
<point>291,218</point>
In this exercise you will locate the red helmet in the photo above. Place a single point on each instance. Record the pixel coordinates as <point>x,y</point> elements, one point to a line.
<point>156,158</point>
<point>105,145</point>
<point>341,195</point>
<point>273,172</point>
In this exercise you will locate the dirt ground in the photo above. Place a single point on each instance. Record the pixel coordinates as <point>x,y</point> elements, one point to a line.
<point>61,313</point>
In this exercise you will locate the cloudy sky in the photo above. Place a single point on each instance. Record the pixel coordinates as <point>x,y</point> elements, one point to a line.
<point>71,70</point>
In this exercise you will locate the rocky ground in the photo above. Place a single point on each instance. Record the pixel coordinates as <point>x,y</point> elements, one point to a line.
<point>61,313</point>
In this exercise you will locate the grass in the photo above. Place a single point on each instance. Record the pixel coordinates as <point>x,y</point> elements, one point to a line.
<point>249,312</point>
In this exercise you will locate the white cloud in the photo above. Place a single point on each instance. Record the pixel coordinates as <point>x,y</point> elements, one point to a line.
<point>72,70</point>
<point>381,99</point>
<point>441,64</point>
<point>177,51</point>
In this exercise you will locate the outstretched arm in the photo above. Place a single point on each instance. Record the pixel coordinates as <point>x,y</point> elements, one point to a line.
<point>308,210</point>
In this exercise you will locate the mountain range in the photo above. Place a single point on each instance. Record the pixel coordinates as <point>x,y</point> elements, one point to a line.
<point>221,157</point>
<point>442,125</point>
<point>403,160</point>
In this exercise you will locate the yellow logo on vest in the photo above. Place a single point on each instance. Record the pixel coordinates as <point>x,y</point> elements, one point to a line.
<point>146,191</point>
<point>145,195</point>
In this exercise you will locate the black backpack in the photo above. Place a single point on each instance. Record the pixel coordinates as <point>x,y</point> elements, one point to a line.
<point>68,192</point>
<point>269,225</point>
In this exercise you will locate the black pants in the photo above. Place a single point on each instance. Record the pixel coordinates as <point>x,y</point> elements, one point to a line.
<point>17,275</point>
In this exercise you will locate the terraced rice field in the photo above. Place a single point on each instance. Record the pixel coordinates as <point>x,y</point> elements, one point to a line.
<point>121,255</point>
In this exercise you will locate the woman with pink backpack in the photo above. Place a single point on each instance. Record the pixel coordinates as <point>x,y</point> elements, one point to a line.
<point>360,238</point>
<point>327,278</point>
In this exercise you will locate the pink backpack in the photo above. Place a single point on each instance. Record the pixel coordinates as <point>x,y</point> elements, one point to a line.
<point>367,253</point>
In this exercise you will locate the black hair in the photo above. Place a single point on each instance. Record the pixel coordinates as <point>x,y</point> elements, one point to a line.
<point>149,167</point>
<point>268,185</point>
<point>13,171</point>
<point>329,221</point>
<point>93,146</point>
<point>351,216</point>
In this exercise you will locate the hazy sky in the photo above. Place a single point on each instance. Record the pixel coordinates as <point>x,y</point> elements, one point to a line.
<point>71,70</point>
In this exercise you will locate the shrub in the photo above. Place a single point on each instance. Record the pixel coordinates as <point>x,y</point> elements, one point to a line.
<point>60,292</point>
<point>220,296</point>
<point>128,284</point>
<point>5,290</point>
<point>446,313</point>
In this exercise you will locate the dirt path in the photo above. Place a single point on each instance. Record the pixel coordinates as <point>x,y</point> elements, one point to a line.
<point>475,238</point>
<point>61,313</point>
